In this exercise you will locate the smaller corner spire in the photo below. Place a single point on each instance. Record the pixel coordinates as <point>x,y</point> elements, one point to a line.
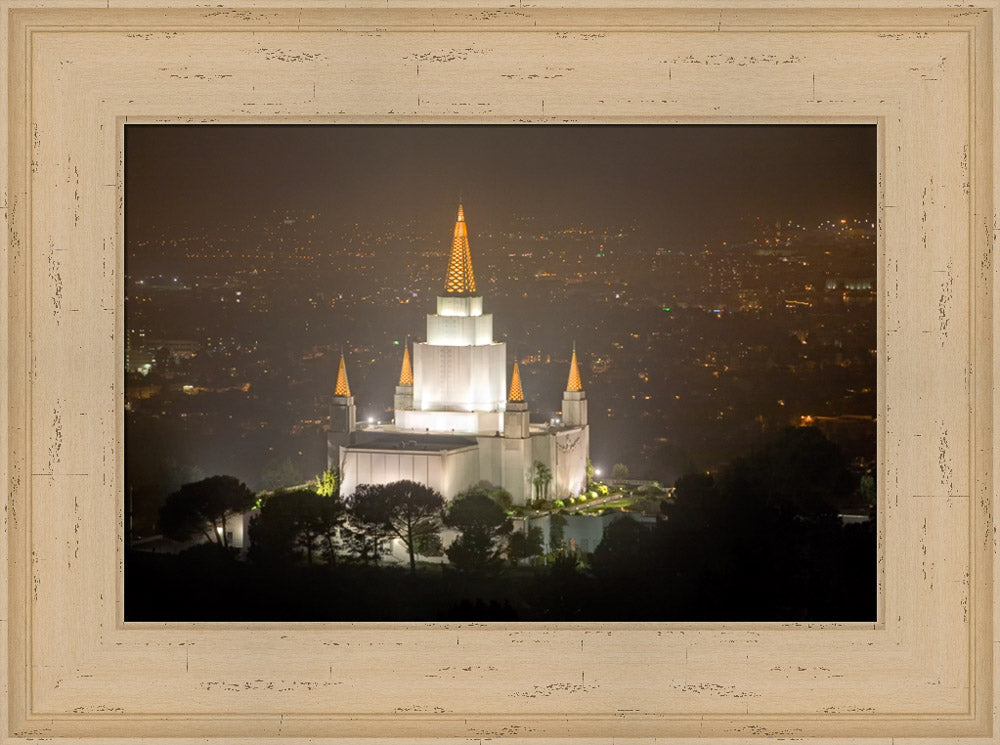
<point>574,384</point>
<point>406,372</point>
<point>342,388</point>
<point>516,392</point>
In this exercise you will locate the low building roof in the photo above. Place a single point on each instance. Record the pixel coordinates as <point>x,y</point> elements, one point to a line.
<point>410,441</point>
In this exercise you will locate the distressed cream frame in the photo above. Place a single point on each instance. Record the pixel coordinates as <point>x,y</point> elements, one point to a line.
<point>76,70</point>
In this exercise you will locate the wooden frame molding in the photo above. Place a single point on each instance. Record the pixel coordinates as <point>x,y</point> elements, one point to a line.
<point>75,71</point>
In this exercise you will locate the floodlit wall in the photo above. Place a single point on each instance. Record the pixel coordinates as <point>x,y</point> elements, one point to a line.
<point>448,471</point>
<point>459,378</point>
<point>515,465</point>
<point>565,451</point>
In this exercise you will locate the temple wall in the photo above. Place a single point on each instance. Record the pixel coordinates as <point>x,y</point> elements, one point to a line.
<point>448,471</point>
<point>460,378</point>
<point>565,452</point>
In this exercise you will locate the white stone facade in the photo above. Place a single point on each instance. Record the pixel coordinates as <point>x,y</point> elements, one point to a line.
<point>446,471</point>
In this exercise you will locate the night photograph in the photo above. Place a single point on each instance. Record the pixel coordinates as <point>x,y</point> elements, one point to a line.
<point>532,373</point>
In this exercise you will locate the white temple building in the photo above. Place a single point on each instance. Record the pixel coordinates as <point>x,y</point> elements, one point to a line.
<point>455,424</point>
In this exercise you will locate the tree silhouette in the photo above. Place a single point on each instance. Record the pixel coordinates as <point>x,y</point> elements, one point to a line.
<point>405,509</point>
<point>764,536</point>
<point>557,527</point>
<point>296,518</point>
<point>203,507</point>
<point>541,478</point>
<point>524,545</point>
<point>273,530</point>
<point>797,471</point>
<point>624,548</point>
<point>364,539</point>
<point>483,524</point>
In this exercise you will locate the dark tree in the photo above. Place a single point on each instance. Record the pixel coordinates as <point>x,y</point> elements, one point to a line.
<point>866,490</point>
<point>502,497</point>
<point>405,509</point>
<point>364,543</point>
<point>364,538</point>
<point>429,544</point>
<point>524,545</point>
<point>797,471</point>
<point>557,526</point>
<point>670,461</point>
<point>296,519</point>
<point>625,549</point>
<point>203,507</point>
<point>695,504</point>
<point>483,524</point>
<point>272,531</point>
<point>562,591</point>
<point>765,536</point>
<point>331,514</point>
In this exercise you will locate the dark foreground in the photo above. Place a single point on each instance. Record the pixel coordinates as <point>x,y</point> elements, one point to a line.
<point>816,573</point>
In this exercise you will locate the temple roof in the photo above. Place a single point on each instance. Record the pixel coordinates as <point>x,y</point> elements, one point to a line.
<point>516,394</point>
<point>390,440</point>
<point>342,389</point>
<point>574,384</point>
<point>460,280</point>
<point>406,372</point>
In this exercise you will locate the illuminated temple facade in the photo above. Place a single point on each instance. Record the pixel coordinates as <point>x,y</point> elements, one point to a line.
<point>455,423</point>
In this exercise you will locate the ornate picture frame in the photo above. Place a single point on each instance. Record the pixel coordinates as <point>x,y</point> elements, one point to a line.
<point>76,72</point>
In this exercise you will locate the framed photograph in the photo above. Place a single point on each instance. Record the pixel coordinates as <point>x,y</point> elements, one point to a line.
<point>693,331</point>
<point>79,82</point>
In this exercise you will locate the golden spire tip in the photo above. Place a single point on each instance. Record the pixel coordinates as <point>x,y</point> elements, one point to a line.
<point>342,388</point>
<point>516,393</point>
<point>460,279</point>
<point>574,384</point>
<point>406,372</point>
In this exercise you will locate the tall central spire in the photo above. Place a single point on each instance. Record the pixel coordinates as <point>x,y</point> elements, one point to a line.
<point>460,280</point>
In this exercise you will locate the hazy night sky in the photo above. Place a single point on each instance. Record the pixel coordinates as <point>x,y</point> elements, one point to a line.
<point>678,183</point>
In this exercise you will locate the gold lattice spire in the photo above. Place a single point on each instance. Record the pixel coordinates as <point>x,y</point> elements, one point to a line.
<point>342,389</point>
<point>406,372</point>
<point>460,280</point>
<point>516,394</point>
<point>574,384</point>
